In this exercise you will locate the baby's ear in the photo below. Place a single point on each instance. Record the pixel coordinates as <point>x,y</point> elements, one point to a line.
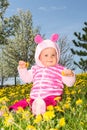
<point>38,39</point>
<point>54,37</point>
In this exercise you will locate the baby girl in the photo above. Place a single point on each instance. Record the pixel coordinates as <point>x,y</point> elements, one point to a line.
<point>47,75</point>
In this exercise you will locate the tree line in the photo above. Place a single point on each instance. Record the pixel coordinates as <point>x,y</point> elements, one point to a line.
<point>17,43</point>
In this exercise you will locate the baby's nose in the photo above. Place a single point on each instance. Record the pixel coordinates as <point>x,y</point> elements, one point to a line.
<point>50,57</point>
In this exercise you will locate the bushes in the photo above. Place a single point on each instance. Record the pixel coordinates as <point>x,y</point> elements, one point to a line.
<point>69,114</point>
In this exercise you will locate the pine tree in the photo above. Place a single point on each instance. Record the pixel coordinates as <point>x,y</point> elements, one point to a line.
<point>81,51</point>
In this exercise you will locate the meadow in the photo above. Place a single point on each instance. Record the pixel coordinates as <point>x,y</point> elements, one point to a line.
<point>69,114</point>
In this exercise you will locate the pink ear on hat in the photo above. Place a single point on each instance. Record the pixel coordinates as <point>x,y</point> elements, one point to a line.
<point>38,39</point>
<point>54,37</point>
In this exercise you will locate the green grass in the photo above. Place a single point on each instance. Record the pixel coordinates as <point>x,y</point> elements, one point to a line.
<point>69,114</point>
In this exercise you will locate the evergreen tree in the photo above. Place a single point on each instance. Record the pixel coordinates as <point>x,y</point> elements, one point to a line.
<point>81,51</point>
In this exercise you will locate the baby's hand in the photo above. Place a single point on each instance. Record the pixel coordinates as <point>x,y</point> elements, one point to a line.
<point>67,72</point>
<point>23,64</point>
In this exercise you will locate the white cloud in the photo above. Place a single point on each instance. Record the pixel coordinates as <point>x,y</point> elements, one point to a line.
<point>58,8</point>
<point>42,8</point>
<point>52,8</point>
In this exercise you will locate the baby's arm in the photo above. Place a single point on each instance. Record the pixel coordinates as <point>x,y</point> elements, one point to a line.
<point>68,77</point>
<point>25,75</point>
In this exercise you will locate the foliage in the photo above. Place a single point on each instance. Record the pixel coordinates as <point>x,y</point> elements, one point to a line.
<point>20,45</point>
<point>69,114</point>
<point>16,32</point>
<point>66,57</point>
<point>5,33</point>
<point>81,51</point>
<point>3,6</point>
<point>24,37</point>
<point>3,26</point>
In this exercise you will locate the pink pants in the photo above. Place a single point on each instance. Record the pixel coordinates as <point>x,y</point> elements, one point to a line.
<point>50,100</point>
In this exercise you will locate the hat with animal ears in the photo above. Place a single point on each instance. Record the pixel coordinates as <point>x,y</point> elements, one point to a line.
<point>43,44</point>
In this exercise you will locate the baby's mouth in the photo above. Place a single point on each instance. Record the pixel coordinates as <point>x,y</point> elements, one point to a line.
<point>50,61</point>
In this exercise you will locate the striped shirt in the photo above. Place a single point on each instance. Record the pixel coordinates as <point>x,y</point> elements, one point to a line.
<point>47,81</point>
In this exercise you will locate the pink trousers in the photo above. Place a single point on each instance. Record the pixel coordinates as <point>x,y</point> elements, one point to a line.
<point>50,100</point>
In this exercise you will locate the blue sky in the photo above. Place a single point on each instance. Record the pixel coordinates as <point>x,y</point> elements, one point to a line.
<point>53,16</point>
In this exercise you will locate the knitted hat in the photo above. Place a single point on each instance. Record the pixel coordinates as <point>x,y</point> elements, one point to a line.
<point>43,44</point>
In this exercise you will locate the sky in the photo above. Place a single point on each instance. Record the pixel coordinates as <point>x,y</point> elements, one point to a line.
<point>53,16</point>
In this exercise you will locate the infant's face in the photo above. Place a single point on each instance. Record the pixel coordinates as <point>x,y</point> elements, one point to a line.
<point>48,57</point>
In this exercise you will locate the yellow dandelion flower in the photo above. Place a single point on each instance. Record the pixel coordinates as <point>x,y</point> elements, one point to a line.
<point>15,101</point>
<point>30,127</point>
<point>50,108</point>
<point>66,106</point>
<point>5,114</point>
<point>73,92</point>
<point>22,91</point>
<point>58,108</point>
<point>57,98</point>
<point>82,123</point>
<point>67,92</point>
<point>26,115</point>
<point>79,102</point>
<point>27,64</point>
<point>79,90</point>
<point>68,99</point>
<point>3,100</point>
<point>28,99</point>
<point>48,115</point>
<point>63,73</point>
<point>79,82</point>
<point>38,119</point>
<point>8,120</point>
<point>20,110</point>
<point>12,94</point>
<point>62,122</point>
<point>4,107</point>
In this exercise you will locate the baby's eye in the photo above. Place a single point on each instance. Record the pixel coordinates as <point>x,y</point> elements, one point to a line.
<point>46,55</point>
<point>53,55</point>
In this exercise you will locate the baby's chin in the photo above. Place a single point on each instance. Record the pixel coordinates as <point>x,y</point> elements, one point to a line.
<point>49,65</point>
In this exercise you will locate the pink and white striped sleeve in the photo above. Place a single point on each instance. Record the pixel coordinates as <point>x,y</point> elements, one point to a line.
<point>69,80</point>
<point>25,75</point>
